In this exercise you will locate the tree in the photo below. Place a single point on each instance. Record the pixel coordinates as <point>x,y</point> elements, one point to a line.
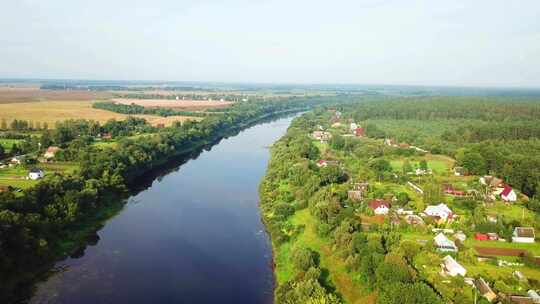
<point>303,258</point>
<point>432,193</point>
<point>474,163</point>
<point>2,152</point>
<point>423,164</point>
<point>407,167</point>
<point>3,124</point>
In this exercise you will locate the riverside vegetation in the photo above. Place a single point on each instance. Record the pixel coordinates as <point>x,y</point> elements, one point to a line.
<point>52,218</point>
<point>330,247</point>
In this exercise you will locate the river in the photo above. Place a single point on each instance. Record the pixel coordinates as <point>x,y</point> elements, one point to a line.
<point>193,236</point>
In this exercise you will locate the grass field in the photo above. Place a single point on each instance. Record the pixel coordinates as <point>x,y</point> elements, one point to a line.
<point>63,110</point>
<point>16,176</point>
<point>8,143</point>
<point>437,165</point>
<point>339,278</point>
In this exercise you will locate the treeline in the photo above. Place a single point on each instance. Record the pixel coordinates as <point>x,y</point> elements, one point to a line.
<point>35,224</point>
<point>23,125</point>
<point>436,108</point>
<point>380,261</point>
<point>137,109</point>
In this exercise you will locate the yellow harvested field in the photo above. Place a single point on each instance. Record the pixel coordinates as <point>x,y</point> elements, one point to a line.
<point>52,111</point>
<point>177,104</point>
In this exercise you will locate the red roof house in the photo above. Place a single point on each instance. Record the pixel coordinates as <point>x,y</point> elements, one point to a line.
<point>508,194</point>
<point>481,237</point>
<point>359,132</point>
<point>379,206</point>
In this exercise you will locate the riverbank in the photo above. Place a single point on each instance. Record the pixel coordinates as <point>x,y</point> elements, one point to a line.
<point>195,232</point>
<point>72,239</point>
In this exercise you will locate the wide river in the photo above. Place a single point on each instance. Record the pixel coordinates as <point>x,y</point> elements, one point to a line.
<point>194,236</point>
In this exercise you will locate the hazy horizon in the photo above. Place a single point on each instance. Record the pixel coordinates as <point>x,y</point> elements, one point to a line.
<point>370,42</point>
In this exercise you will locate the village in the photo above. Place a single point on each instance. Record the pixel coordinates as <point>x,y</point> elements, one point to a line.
<point>476,229</point>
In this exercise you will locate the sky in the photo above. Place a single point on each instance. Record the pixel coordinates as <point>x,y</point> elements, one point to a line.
<point>450,42</point>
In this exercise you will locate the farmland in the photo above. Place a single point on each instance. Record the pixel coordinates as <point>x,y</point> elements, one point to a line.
<point>15,176</point>
<point>8,143</point>
<point>18,94</point>
<point>63,110</point>
<point>195,105</point>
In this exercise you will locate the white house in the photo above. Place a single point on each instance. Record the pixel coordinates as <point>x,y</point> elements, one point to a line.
<point>379,206</point>
<point>452,268</point>
<point>36,174</point>
<point>353,126</point>
<point>441,210</point>
<point>508,194</point>
<point>523,235</point>
<point>444,244</point>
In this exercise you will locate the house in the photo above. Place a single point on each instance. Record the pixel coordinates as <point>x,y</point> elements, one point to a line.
<point>402,211</point>
<point>336,125</point>
<point>481,237</point>
<point>460,236</point>
<point>379,206</point>
<point>353,126</point>
<point>508,194</point>
<point>390,142</point>
<point>485,290</point>
<point>4,188</point>
<point>359,132</point>
<point>106,136</point>
<point>523,235</point>
<point>520,300</point>
<point>459,171</point>
<point>36,174</point>
<point>17,160</point>
<point>452,268</point>
<point>519,276</point>
<point>491,181</point>
<point>419,171</point>
<point>444,244</point>
<point>449,189</point>
<point>51,152</point>
<point>534,296</point>
<point>357,192</point>
<point>492,236</point>
<point>321,135</point>
<point>414,220</point>
<point>441,211</point>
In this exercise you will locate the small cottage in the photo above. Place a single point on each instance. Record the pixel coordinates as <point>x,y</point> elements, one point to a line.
<point>444,244</point>
<point>508,194</point>
<point>459,171</point>
<point>452,268</point>
<point>485,290</point>
<point>359,132</point>
<point>51,152</point>
<point>379,206</point>
<point>440,211</point>
<point>523,235</point>
<point>36,174</point>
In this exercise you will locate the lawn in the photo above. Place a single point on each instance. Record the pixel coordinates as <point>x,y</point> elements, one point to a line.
<point>438,166</point>
<point>338,277</point>
<point>514,212</point>
<point>8,143</point>
<point>16,176</point>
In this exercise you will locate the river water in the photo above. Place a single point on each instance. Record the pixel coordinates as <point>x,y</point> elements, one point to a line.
<point>193,236</point>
